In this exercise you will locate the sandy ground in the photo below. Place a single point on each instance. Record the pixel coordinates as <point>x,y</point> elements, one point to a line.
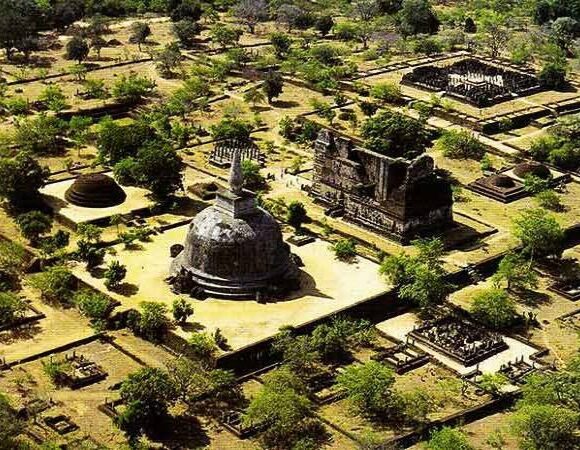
<point>60,327</point>
<point>327,285</point>
<point>402,325</point>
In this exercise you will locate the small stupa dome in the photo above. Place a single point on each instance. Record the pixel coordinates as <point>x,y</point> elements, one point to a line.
<point>526,169</point>
<point>95,190</point>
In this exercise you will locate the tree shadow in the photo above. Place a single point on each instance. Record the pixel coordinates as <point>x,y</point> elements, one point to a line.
<point>183,431</point>
<point>126,289</point>
<point>533,298</point>
<point>191,327</point>
<point>285,104</point>
<point>20,333</point>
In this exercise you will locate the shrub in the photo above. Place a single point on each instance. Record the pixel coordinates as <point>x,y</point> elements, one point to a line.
<point>152,321</point>
<point>181,310</point>
<point>344,249</point>
<point>460,145</point>
<point>33,224</point>
<point>494,307</point>
<point>203,347</point>
<point>548,199</point>
<point>55,283</point>
<point>94,305</point>
<point>387,92</point>
<point>114,274</point>
<point>12,308</point>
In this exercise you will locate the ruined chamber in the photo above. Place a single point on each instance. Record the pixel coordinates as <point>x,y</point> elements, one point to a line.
<point>396,197</point>
<point>234,249</point>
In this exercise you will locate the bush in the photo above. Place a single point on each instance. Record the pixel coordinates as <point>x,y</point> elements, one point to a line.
<point>94,305</point>
<point>114,274</point>
<point>344,249</point>
<point>548,199</point>
<point>203,347</point>
<point>152,321</point>
<point>460,145</point>
<point>494,307</point>
<point>55,283</point>
<point>33,224</point>
<point>181,310</point>
<point>387,92</point>
<point>12,308</point>
<point>132,88</point>
<point>448,438</point>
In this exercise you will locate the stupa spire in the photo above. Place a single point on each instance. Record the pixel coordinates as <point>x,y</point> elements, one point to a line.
<point>236,176</point>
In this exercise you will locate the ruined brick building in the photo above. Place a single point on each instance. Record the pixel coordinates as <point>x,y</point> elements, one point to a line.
<point>391,196</point>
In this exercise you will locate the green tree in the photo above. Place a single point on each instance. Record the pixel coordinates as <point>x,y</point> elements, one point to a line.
<point>181,310</point>
<point>89,232</point>
<point>140,31</point>
<point>296,215</point>
<point>18,24</point>
<point>34,224</point>
<point>77,49</point>
<point>158,168</point>
<point>417,17</point>
<point>254,96</point>
<point>281,43</point>
<point>539,233</point>
<point>147,395</point>
<point>420,279</point>
<point>324,24</point>
<point>493,382</point>
<point>79,131</point>
<point>549,200</point>
<point>225,35</point>
<point>448,439</point>
<point>387,92</point>
<point>517,272</point>
<point>202,346</point>
<point>114,274</point>
<point>494,307</point>
<point>369,387</point>
<point>168,59</point>
<point>53,97</point>
<point>282,409</point>
<point>186,32</point>
<point>116,142</point>
<point>40,134</point>
<point>272,85</point>
<point>13,261</point>
<point>253,179</point>
<point>546,427</point>
<point>393,134</point>
<point>132,88</point>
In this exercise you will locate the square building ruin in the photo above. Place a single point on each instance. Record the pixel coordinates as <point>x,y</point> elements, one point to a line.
<point>396,197</point>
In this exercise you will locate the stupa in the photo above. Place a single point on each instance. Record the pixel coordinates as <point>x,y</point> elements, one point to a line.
<point>234,249</point>
<point>95,190</point>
